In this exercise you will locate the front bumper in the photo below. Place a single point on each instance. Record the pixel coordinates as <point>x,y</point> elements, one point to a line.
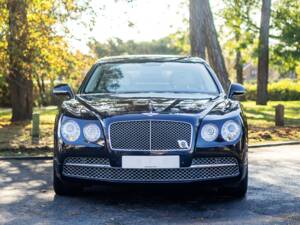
<point>89,165</point>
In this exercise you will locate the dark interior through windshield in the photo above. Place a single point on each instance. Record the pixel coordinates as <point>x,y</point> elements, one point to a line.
<point>151,77</point>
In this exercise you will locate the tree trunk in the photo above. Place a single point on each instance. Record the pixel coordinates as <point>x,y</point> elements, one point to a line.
<point>197,29</point>
<point>263,59</point>
<point>239,67</point>
<point>238,58</point>
<point>19,76</point>
<point>41,89</point>
<point>21,98</point>
<point>202,30</point>
<point>44,94</point>
<point>214,51</point>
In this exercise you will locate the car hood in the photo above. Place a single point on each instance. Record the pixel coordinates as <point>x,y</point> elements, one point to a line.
<point>119,104</point>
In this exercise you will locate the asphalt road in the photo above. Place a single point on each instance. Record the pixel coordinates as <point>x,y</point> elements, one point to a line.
<point>26,197</point>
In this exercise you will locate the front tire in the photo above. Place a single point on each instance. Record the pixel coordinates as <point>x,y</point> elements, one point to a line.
<point>240,190</point>
<point>62,188</point>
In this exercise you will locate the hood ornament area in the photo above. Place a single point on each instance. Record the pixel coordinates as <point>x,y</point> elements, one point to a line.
<point>151,109</point>
<point>150,114</point>
<point>150,104</point>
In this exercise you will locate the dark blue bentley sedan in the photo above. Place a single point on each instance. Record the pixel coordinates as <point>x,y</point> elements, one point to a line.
<point>150,119</point>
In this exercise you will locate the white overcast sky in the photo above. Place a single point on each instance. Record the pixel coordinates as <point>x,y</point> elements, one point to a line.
<point>152,19</point>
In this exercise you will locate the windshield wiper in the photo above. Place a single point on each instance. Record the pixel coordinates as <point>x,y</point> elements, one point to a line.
<point>176,101</point>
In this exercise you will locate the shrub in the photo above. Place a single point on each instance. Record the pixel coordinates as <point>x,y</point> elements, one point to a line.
<point>284,90</point>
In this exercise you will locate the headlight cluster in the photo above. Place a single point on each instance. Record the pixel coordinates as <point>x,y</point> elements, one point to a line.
<point>91,132</point>
<point>70,130</point>
<point>230,131</point>
<point>209,132</point>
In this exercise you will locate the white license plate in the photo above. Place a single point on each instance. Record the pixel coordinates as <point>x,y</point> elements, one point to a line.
<point>143,162</point>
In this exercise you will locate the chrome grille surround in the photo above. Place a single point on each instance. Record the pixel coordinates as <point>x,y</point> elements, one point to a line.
<point>149,135</point>
<point>200,170</point>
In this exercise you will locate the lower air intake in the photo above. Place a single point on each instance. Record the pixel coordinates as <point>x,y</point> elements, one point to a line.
<point>205,169</point>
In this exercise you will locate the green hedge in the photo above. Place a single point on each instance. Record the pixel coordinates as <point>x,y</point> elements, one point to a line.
<point>284,90</point>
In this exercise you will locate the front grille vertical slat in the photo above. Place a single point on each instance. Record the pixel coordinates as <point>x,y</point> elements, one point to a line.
<point>149,135</point>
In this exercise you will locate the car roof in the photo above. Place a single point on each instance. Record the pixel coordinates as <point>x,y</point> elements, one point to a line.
<point>149,58</point>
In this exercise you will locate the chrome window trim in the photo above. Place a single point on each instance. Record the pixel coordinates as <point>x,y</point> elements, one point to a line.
<point>149,150</point>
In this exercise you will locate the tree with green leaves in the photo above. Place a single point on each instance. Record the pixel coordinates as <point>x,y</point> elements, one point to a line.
<point>33,47</point>
<point>285,54</point>
<point>20,60</point>
<point>116,46</point>
<point>236,14</point>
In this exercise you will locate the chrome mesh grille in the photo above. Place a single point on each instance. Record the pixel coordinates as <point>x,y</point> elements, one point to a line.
<point>85,160</point>
<point>149,135</point>
<point>130,135</point>
<point>214,161</point>
<point>154,175</point>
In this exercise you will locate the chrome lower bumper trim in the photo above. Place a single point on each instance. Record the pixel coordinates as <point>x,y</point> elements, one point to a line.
<point>107,166</point>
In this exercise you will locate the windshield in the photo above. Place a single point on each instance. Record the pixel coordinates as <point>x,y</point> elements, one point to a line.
<point>155,77</point>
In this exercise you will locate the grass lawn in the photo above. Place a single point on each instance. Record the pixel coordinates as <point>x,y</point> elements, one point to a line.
<point>263,116</point>
<point>15,139</point>
<point>262,126</point>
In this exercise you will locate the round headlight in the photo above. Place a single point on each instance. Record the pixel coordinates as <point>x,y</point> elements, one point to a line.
<point>91,132</point>
<point>209,132</point>
<point>70,130</point>
<point>231,130</point>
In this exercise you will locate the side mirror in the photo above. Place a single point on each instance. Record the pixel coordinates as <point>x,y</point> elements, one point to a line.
<point>63,90</point>
<point>236,90</point>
